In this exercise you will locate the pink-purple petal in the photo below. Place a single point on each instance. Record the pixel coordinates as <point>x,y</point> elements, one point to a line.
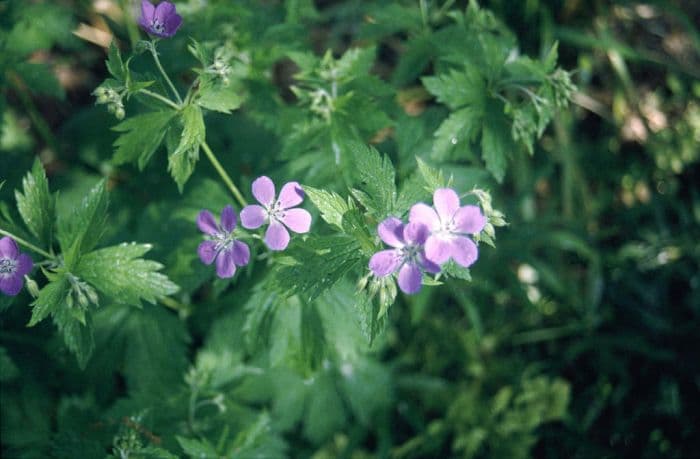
<point>438,250</point>
<point>207,252</point>
<point>207,223</point>
<point>469,219</point>
<point>241,253</point>
<point>163,11</point>
<point>385,262</point>
<point>391,232</point>
<point>446,203</point>
<point>276,236</point>
<point>464,251</point>
<point>297,220</point>
<point>24,265</point>
<point>427,265</point>
<point>147,12</point>
<point>225,265</point>
<point>8,248</point>
<point>10,285</point>
<point>228,219</point>
<point>422,213</point>
<point>172,24</point>
<point>253,216</point>
<point>291,195</point>
<point>264,190</point>
<point>410,278</point>
<point>415,233</point>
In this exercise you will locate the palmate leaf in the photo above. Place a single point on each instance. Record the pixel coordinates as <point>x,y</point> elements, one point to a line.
<point>51,297</point>
<point>375,176</point>
<point>496,141</point>
<point>140,136</point>
<point>78,337</point>
<point>122,275</point>
<point>36,205</point>
<point>457,89</point>
<point>331,205</point>
<point>182,160</point>
<point>219,98</point>
<point>456,133</point>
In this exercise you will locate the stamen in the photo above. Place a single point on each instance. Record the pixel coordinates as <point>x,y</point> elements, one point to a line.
<point>7,266</point>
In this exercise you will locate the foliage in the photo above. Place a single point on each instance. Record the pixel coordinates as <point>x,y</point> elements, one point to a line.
<point>563,339</point>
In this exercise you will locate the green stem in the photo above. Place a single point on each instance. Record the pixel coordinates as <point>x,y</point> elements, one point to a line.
<point>28,245</point>
<point>40,124</point>
<point>165,100</point>
<point>152,48</point>
<point>224,176</point>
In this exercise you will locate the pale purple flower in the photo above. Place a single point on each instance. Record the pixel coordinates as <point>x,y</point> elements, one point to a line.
<point>449,226</point>
<point>407,256</point>
<point>279,213</point>
<point>161,21</point>
<point>222,245</point>
<point>13,266</point>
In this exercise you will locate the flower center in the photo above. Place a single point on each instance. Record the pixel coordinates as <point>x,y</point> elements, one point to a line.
<point>157,26</point>
<point>8,266</point>
<point>276,211</point>
<point>447,228</point>
<point>410,253</point>
<point>223,240</point>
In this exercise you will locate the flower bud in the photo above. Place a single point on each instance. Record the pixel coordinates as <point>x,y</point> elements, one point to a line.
<point>32,286</point>
<point>119,113</point>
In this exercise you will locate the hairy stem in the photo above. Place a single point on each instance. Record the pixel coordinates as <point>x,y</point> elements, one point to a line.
<point>224,176</point>
<point>157,96</point>
<point>28,245</point>
<point>154,53</point>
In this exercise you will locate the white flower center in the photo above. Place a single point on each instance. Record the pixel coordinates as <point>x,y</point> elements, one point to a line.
<point>275,211</point>
<point>410,253</point>
<point>223,240</point>
<point>8,266</point>
<point>157,26</point>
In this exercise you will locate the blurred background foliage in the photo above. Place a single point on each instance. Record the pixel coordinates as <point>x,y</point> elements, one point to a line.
<point>577,336</point>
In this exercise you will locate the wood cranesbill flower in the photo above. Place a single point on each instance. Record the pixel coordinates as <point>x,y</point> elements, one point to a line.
<point>161,21</point>
<point>279,213</point>
<point>449,224</point>
<point>13,266</point>
<point>222,245</point>
<point>407,256</point>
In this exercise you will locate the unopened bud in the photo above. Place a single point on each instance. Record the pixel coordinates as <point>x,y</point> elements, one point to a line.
<point>119,113</point>
<point>32,286</point>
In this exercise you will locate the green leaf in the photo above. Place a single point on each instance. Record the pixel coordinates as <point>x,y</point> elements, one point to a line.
<point>219,98</point>
<point>115,64</point>
<point>458,89</point>
<point>433,178</point>
<point>496,145</point>
<point>197,449</point>
<point>40,79</point>
<point>181,162</point>
<point>8,369</point>
<point>456,133</point>
<point>317,264</point>
<point>78,337</point>
<point>36,205</point>
<point>325,413</point>
<point>331,205</point>
<point>376,176</point>
<point>121,274</point>
<point>81,231</point>
<point>454,270</point>
<point>141,136</point>
<point>51,297</point>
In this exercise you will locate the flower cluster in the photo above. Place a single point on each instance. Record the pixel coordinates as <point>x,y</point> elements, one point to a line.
<point>433,236</point>
<point>161,21</point>
<point>279,213</point>
<point>13,266</point>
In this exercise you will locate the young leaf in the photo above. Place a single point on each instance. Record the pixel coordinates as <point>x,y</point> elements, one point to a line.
<point>36,205</point>
<point>141,136</point>
<point>78,337</point>
<point>219,98</point>
<point>376,176</point>
<point>50,298</point>
<point>458,89</point>
<point>81,231</point>
<point>181,161</point>
<point>330,204</point>
<point>121,274</point>
<point>115,64</point>
<point>200,449</point>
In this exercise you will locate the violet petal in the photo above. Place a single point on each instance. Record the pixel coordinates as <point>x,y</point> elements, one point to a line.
<point>241,253</point>
<point>385,262</point>
<point>297,220</point>
<point>415,233</point>
<point>391,232</point>
<point>24,265</point>
<point>464,251</point>
<point>422,213</point>
<point>264,190</point>
<point>428,265</point>
<point>10,285</point>
<point>225,266</point>
<point>276,236</point>
<point>291,195</point>
<point>438,250</point>
<point>8,248</point>
<point>253,216</point>
<point>446,203</point>
<point>172,24</point>
<point>228,219</point>
<point>469,219</point>
<point>163,11</point>
<point>410,278</point>
<point>207,223</point>
<point>147,12</point>
<point>207,252</point>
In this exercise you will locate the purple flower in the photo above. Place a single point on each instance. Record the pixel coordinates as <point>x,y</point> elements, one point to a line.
<point>407,255</point>
<point>161,21</point>
<point>449,227</point>
<point>13,267</point>
<point>222,246</point>
<point>279,213</point>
